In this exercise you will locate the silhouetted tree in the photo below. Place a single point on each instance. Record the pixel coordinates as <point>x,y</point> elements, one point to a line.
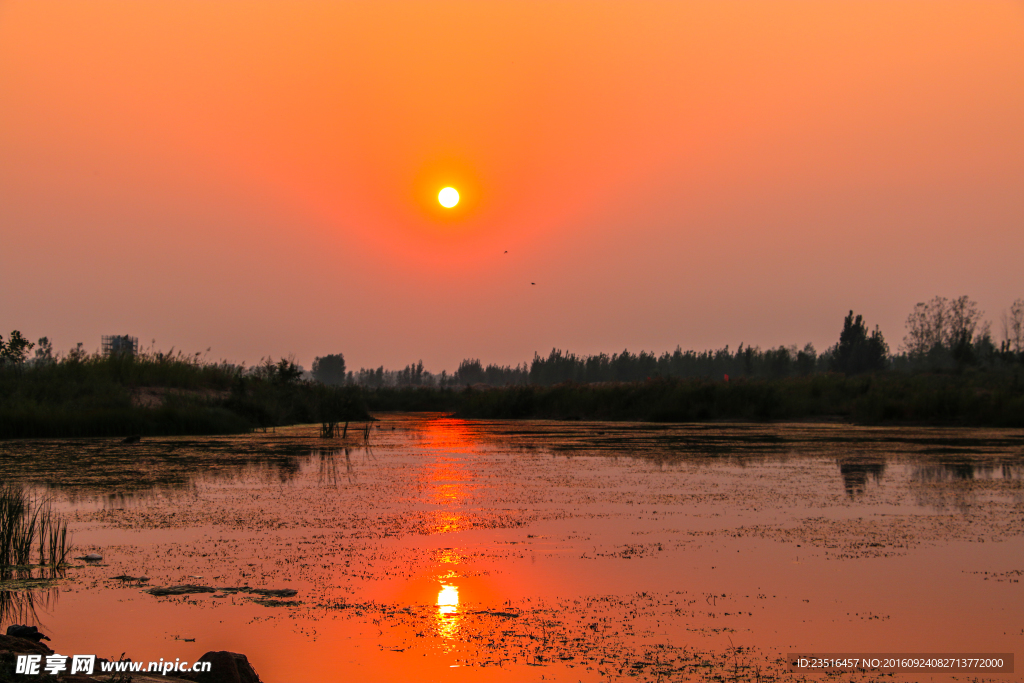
<point>284,371</point>
<point>44,352</point>
<point>470,371</point>
<point>945,331</point>
<point>779,361</point>
<point>330,369</point>
<point>15,349</point>
<point>857,351</point>
<point>927,327</point>
<point>806,360</point>
<point>964,322</point>
<point>1013,327</point>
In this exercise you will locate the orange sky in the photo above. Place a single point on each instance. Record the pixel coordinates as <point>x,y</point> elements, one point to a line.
<point>260,177</point>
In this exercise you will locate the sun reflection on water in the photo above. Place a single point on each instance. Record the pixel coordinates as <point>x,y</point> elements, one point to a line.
<point>448,616</point>
<point>447,522</point>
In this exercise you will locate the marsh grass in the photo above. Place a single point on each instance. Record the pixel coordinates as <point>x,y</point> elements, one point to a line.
<point>30,524</point>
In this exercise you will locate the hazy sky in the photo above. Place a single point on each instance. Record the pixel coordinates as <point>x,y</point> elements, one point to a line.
<point>261,177</point>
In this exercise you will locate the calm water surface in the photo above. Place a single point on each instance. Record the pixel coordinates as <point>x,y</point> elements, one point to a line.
<point>448,550</point>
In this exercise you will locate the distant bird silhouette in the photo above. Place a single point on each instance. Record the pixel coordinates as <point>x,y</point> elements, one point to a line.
<point>506,251</point>
<point>533,283</point>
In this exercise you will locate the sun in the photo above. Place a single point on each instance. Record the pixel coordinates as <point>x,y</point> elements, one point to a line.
<point>448,197</point>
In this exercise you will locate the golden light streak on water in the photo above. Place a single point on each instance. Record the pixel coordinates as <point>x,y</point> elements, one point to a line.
<point>448,616</point>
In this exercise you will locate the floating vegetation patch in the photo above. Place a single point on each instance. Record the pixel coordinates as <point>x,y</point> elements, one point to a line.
<point>268,597</point>
<point>597,635</point>
<point>26,584</point>
<point>565,551</point>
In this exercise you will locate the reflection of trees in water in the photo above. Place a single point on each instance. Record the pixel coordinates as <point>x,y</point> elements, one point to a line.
<point>945,471</point>
<point>328,466</point>
<point>856,471</point>
<point>949,483</point>
<point>80,469</point>
<point>965,470</point>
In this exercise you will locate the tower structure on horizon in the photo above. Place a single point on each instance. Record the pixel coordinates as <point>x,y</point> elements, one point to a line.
<point>117,344</point>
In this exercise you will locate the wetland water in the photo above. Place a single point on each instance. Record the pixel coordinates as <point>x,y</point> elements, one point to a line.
<point>449,550</point>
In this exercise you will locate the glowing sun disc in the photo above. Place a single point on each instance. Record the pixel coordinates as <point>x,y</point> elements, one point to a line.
<point>448,197</point>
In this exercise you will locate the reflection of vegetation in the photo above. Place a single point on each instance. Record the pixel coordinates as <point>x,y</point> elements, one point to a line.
<point>158,393</point>
<point>18,605</point>
<point>326,464</point>
<point>855,473</point>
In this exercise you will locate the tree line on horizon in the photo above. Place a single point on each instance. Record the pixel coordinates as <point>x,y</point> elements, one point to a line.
<point>941,335</point>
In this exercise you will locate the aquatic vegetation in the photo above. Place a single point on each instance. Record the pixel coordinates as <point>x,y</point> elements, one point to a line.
<point>28,524</point>
<point>520,549</point>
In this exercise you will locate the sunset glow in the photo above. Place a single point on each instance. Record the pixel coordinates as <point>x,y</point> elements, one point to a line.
<point>635,159</point>
<point>482,342</point>
<point>448,197</point>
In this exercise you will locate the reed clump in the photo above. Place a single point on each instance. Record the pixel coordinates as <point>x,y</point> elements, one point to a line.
<point>31,531</point>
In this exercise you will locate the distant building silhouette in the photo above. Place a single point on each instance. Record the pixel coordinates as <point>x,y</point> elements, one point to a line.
<point>116,344</point>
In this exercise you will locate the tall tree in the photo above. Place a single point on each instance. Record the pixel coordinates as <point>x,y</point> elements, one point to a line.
<point>964,320</point>
<point>1013,327</point>
<point>329,369</point>
<point>944,327</point>
<point>44,353</point>
<point>857,351</point>
<point>927,327</point>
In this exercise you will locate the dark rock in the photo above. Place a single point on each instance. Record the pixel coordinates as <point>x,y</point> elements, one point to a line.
<point>22,646</point>
<point>27,632</point>
<point>135,438</point>
<point>225,667</point>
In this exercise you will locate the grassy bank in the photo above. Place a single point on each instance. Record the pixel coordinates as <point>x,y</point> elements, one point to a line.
<point>969,399</point>
<point>161,394</point>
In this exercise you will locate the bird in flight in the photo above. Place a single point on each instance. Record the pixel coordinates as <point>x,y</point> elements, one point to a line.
<point>533,283</point>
